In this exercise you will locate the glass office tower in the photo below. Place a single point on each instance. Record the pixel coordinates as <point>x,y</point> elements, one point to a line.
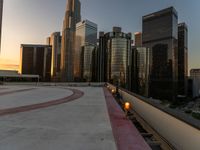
<point>160,35</point>
<point>118,46</point>
<point>182,58</point>
<point>86,34</point>
<point>55,42</point>
<point>139,70</point>
<point>87,62</point>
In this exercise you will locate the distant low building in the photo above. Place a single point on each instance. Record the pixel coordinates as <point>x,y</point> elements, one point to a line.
<point>138,39</point>
<point>36,59</point>
<point>195,77</point>
<point>13,75</point>
<point>195,73</point>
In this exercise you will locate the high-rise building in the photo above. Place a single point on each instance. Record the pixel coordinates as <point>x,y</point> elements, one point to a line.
<point>101,60</point>
<point>1,15</point>
<point>182,58</point>
<point>139,70</point>
<point>87,61</point>
<point>160,35</point>
<point>36,60</point>
<point>55,42</point>
<point>86,35</point>
<point>138,39</point>
<point>72,17</point>
<point>117,47</point>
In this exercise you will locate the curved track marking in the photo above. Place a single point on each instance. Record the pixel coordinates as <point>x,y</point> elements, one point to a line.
<point>76,94</point>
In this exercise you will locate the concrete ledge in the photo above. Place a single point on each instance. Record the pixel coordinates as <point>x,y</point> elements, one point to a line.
<point>176,128</point>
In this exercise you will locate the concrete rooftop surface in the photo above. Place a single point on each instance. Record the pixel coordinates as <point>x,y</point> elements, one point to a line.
<point>62,118</point>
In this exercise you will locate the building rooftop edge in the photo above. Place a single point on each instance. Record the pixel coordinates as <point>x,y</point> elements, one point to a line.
<point>35,45</point>
<point>86,22</point>
<point>182,24</point>
<point>163,11</point>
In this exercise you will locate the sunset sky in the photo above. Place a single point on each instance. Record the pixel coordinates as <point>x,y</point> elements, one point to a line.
<point>31,21</point>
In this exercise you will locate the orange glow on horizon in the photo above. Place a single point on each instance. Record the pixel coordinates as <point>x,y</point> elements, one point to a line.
<point>7,64</point>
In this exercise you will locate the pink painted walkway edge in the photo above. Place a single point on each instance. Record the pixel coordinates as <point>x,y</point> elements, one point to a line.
<point>127,137</point>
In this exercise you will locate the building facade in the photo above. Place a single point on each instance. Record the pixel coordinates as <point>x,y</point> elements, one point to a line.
<point>86,37</point>
<point>160,35</point>
<point>1,16</point>
<point>182,58</point>
<point>101,59</point>
<point>116,45</point>
<point>138,39</point>
<point>88,62</point>
<point>72,17</point>
<point>195,77</point>
<point>55,42</point>
<point>139,70</point>
<point>36,60</point>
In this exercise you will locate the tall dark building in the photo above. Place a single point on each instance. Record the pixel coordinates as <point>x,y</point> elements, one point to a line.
<point>115,46</point>
<point>101,58</point>
<point>55,41</point>
<point>160,35</point>
<point>182,58</point>
<point>36,60</point>
<point>139,71</point>
<point>1,15</point>
<point>72,17</point>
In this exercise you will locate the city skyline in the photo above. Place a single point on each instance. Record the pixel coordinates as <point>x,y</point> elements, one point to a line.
<point>23,30</point>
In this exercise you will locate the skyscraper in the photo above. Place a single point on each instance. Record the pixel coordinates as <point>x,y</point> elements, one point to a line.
<point>117,48</point>
<point>139,70</point>
<point>101,60</point>
<point>87,61</point>
<point>182,58</point>
<point>160,34</point>
<point>55,42</point>
<point>72,17</point>
<point>1,14</point>
<point>86,36</point>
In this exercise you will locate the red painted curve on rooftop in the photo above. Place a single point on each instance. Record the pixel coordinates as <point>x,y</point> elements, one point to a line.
<point>76,94</point>
<point>127,137</point>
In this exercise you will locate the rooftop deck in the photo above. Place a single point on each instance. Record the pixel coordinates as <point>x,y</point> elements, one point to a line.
<point>49,118</point>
